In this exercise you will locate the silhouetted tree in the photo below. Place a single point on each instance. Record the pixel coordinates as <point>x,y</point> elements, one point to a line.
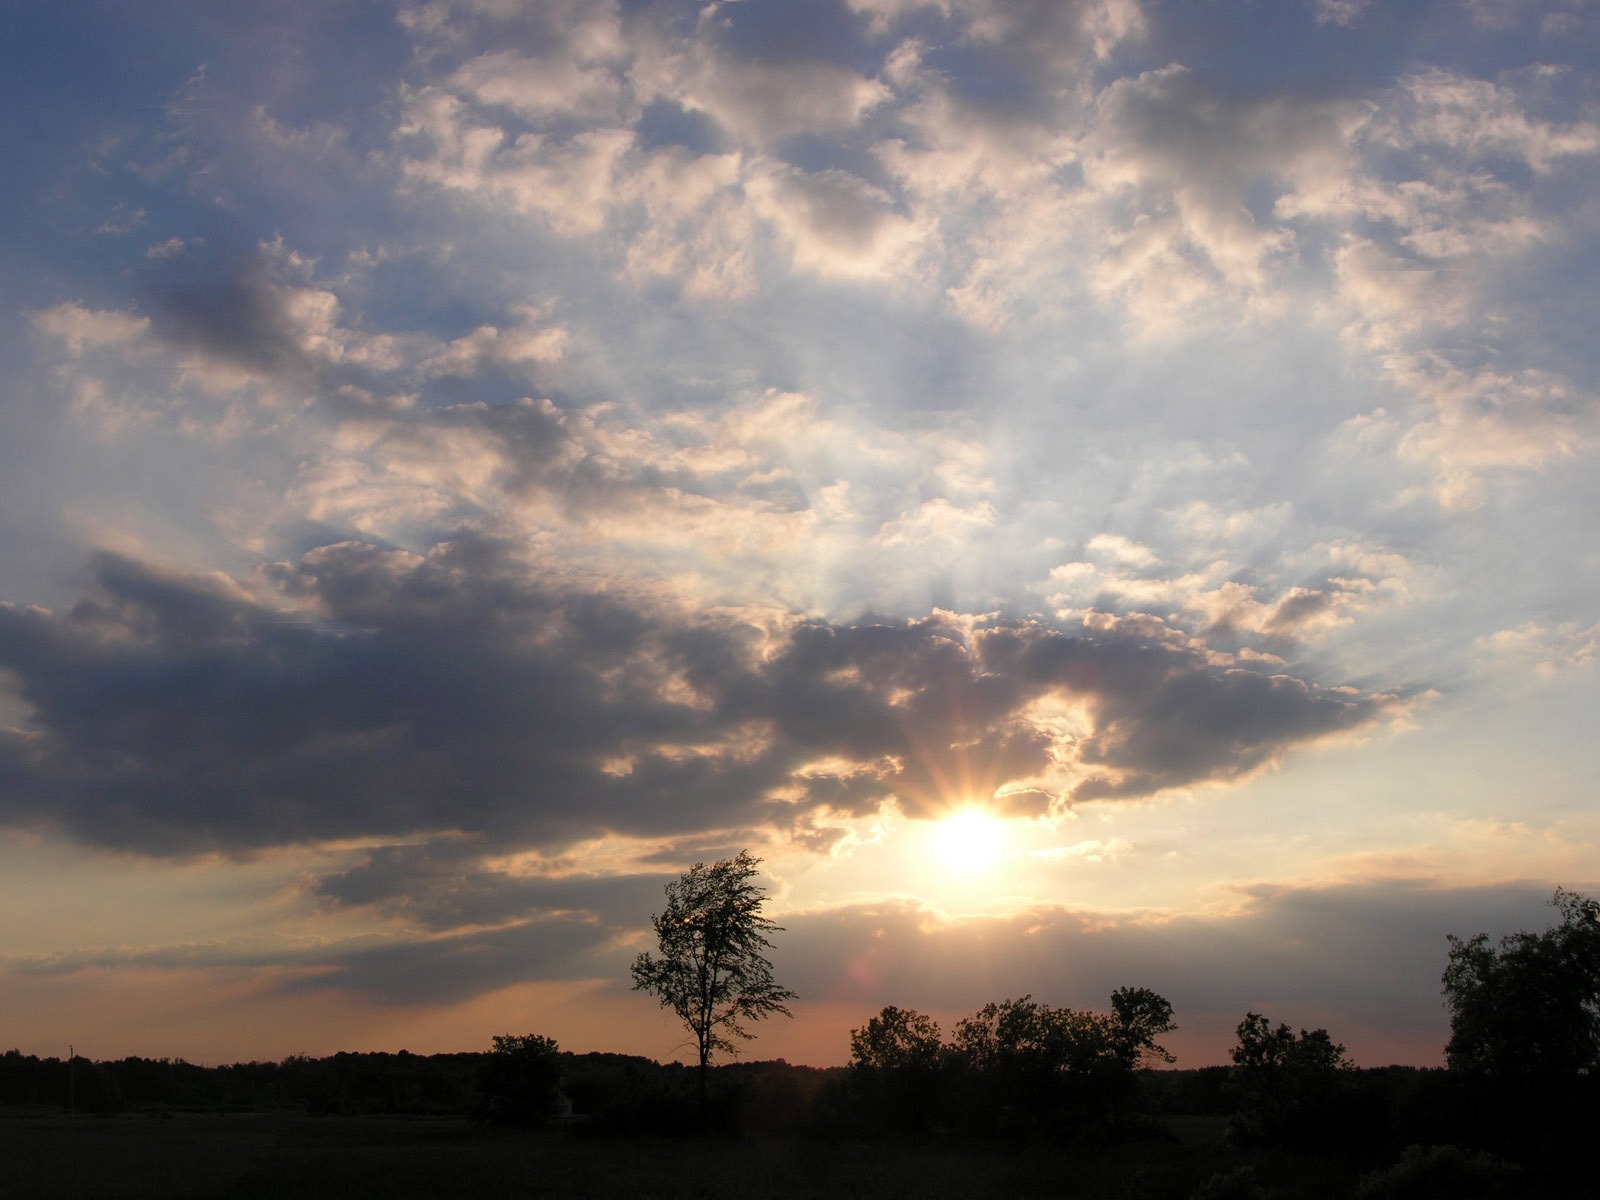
<point>520,1082</point>
<point>1288,1088</point>
<point>1531,1005</point>
<point>1138,1018</point>
<point>712,969</point>
<point>895,1061</point>
<point>896,1039</point>
<point>1028,1064</point>
<point>1263,1050</point>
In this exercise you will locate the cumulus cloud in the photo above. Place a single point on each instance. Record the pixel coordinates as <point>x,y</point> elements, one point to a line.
<point>1477,117</point>
<point>545,87</point>
<point>836,223</point>
<point>1058,36</point>
<point>1187,156</point>
<point>1334,584</point>
<point>404,694</point>
<point>532,341</point>
<point>256,315</point>
<point>81,328</point>
<point>1547,649</point>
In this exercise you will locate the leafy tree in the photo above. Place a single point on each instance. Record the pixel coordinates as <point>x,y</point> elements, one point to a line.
<point>1013,1036</point>
<point>1288,1087</point>
<point>1033,1064</point>
<point>520,1082</point>
<point>712,969</point>
<point>1265,1050</point>
<point>895,1062</point>
<point>1531,1005</point>
<point>896,1039</point>
<point>1026,1033</point>
<point>1138,1018</point>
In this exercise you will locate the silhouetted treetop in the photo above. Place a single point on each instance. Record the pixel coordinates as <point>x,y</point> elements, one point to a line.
<point>1531,1005</point>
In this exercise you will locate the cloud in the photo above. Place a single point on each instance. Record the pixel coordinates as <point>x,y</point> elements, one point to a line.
<point>255,316</point>
<point>1547,649</point>
<point>285,732</point>
<point>1476,118</point>
<point>549,86</point>
<point>759,103</point>
<point>389,694</point>
<point>837,223</point>
<point>1189,168</point>
<point>1335,583</point>
<point>452,883</point>
<point>396,969</point>
<point>1047,36</point>
<point>531,342</point>
<point>81,328</point>
<point>1340,12</point>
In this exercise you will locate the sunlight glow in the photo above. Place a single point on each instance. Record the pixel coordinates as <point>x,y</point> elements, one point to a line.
<point>968,841</point>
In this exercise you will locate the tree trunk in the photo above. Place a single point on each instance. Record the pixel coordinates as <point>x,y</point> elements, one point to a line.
<point>705,1056</point>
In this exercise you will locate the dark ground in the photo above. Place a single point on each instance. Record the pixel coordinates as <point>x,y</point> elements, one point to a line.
<point>191,1155</point>
<point>250,1155</point>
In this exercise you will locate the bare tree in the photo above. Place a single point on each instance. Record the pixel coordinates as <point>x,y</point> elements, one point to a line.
<point>712,968</point>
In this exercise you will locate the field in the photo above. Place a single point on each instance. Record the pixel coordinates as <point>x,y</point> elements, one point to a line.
<point>262,1155</point>
<point>193,1156</point>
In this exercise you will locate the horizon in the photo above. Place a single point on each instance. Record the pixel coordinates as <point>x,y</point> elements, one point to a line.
<point>1091,495</point>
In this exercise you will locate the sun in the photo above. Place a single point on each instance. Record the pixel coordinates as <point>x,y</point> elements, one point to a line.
<point>968,841</point>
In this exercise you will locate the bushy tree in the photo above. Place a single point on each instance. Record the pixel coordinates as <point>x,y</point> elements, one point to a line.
<point>1263,1050</point>
<point>712,969</point>
<point>1138,1017</point>
<point>1288,1087</point>
<point>895,1069</point>
<point>520,1082</point>
<point>897,1039</point>
<point>1031,1065</point>
<point>1013,1036</point>
<point>1023,1033</point>
<point>1531,1005</point>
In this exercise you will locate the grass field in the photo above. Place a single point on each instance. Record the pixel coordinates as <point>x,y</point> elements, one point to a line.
<point>276,1155</point>
<point>197,1156</point>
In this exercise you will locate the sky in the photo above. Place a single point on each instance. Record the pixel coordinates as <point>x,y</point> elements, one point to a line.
<point>1092,494</point>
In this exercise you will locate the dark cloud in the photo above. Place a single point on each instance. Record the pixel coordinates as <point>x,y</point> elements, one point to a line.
<point>445,885</point>
<point>457,967</point>
<point>230,306</point>
<point>455,693</point>
<point>1018,58</point>
<point>412,968</point>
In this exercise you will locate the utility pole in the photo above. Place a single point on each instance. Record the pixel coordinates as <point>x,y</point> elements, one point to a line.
<point>72,1078</point>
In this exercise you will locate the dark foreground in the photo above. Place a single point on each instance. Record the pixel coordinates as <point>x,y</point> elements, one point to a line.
<point>276,1155</point>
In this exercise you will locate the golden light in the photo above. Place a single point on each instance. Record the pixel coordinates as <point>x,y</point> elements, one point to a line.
<point>968,841</point>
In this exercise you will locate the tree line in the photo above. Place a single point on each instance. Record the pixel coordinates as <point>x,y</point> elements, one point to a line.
<point>1523,1056</point>
<point>1527,1007</point>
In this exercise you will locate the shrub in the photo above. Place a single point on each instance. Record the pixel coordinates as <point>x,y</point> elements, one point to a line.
<point>1440,1173</point>
<point>1237,1184</point>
